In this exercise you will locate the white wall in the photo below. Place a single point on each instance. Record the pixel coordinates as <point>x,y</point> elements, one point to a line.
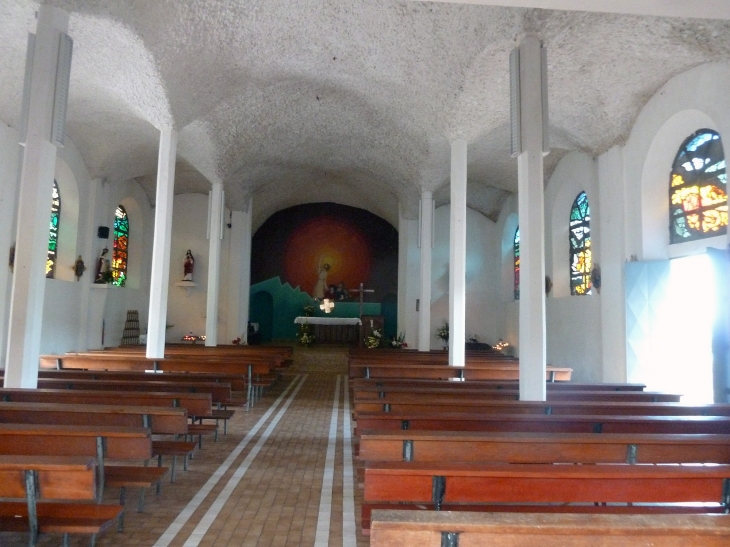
<point>482,276</point>
<point>186,308</point>
<point>9,165</point>
<point>695,99</point>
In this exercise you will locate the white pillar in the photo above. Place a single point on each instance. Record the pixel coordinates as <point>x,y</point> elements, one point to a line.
<point>160,273</point>
<point>425,241</point>
<point>402,270</point>
<point>532,223</point>
<point>34,204</point>
<point>245,279</point>
<point>215,233</point>
<point>457,256</point>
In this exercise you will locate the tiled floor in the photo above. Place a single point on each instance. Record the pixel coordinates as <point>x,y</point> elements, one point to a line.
<point>260,485</point>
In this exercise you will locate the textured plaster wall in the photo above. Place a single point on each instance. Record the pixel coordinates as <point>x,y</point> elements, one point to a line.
<point>482,276</point>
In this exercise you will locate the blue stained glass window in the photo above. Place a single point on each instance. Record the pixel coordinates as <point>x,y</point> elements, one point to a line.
<point>580,246</point>
<point>698,189</point>
<point>52,256</point>
<point>121,243</point>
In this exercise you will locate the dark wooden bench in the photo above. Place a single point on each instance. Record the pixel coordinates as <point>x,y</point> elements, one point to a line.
<point>100,442</point>
<point>36,480</point>
<point>546,488</point>
<point>356,383</point>
<point>447,394</point>
<point>472,371</point>
<point>541,407</point>
<point>584,448</point>
<point>399,528</point>
<point>554,423</point>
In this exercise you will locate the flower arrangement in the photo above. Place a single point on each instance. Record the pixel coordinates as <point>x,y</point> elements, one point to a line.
<point>442,333</point>
<point>305,335</point>
<point>309,310</point>
<point>398,342</point>
<point>374,340</point>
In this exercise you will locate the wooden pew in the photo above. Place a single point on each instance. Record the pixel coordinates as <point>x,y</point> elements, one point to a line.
<point>426,529</point>
<point>160,420</point>
<point>196,404</point>
<point>542,407</point>
<point>546,488</point>
<point>584,448</point>
<point>238,381</point>
<point>490,384</point>
<point>38,479</point>
<point>453,421</point>
<point>99,442</point>
<point>476,371</point>
<point>448,394</point>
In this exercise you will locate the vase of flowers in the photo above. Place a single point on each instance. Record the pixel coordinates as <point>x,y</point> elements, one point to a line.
<point>442,334</point>
<point>305,335</point>
<point>398,342</point>
<point>374,340</point>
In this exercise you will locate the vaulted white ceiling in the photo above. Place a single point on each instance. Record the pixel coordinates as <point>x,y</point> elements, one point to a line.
<point>296,101</point>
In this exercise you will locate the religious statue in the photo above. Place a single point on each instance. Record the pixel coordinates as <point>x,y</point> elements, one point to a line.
<point>321,286</point>
<point>79,268</point>
<point>103,268</point>
<point>188,266</point>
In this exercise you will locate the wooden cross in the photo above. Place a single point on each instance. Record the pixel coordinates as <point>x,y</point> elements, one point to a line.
<point>362,292</point>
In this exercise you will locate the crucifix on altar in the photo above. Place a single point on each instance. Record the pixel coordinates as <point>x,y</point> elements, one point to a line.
<point>362,290</point>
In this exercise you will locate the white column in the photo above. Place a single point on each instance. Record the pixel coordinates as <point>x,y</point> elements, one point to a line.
<point>457,256</point>
<point>160,273</point>
<point>245,279</point>
<point>402,270</point>
<point>34,205</point>
<point>531,212</point>
<point>215,233</point>
<point>425,240</point>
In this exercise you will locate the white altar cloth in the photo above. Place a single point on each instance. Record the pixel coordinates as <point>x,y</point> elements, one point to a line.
<point>328,320</point>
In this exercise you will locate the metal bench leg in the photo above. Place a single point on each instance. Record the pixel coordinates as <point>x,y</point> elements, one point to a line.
<point>172,470</point>
<point>225,427</point>
<point>93,540</point>
<point>140,503</point>
<point>65,542</point>
<point>185,462</point>
<point>122,500</point>
<point>215,435</point>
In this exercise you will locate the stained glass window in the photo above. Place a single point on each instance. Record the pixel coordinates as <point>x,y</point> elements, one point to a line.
<point>517,263</point>
<point>698,189</point>
<point>53,232</point>
<point>580,246</point>
<point>121,240</point>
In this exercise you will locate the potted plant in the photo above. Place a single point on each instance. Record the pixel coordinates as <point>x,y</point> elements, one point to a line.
<point>442,334</point>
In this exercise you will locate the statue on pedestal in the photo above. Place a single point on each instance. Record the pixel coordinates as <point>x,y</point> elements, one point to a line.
<point>103,273</point>
<point>188,266</point>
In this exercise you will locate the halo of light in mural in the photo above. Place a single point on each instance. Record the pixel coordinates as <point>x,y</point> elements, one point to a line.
<point>326,251</point>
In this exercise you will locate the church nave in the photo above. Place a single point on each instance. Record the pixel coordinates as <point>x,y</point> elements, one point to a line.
<point>277,478</point>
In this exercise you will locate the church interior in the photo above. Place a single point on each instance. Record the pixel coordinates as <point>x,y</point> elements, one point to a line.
<point>213,171</point>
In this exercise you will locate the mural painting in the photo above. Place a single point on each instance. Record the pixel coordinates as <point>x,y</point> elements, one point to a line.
<point>306,253</point>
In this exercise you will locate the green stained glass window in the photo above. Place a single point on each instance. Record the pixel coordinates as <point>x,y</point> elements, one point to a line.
<point>580,246</point>
<point>52,256</point>
<point>517,263</point>
<point>121,242</point>
<point>698,189</point>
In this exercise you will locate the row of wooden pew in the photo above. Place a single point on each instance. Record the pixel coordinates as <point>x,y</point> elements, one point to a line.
<point>57,441</point>
<point>508,470</point>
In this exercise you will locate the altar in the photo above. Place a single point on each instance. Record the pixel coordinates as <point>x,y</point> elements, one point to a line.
<point>333,330</point>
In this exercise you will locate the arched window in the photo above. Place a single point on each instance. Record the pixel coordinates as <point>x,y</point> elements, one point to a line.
<point>53,232</point>
<point>580,246</point>
<point>517,263</point>
<point>698,189</point>
<point>121,241</point>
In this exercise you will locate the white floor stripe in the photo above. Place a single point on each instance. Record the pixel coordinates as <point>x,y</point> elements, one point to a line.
<point>175,527</point>
<point>349,528</point>
<point>212,513</point>
<point>325,498</point>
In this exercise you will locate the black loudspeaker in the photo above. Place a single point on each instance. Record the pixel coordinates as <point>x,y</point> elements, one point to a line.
<point>103,232</point>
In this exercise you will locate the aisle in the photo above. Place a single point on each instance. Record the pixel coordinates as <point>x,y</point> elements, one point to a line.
<point>260,485</point>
